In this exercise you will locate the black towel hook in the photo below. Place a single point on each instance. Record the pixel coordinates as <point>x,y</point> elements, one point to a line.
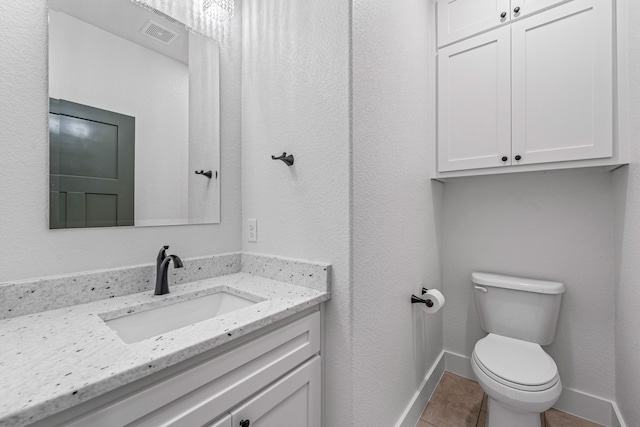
<point>208,174</point>
<point>287,159</point>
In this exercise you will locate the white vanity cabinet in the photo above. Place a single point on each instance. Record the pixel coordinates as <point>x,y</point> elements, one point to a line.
<point>537,91</point>
<point>275,376</point>
<point>459,19</point>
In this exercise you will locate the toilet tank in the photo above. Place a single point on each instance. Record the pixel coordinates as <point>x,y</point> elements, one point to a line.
<point>516,307</point>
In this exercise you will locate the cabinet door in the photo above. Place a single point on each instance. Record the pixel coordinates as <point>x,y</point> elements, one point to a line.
<point>459,19</point>
<point>292,401</point>
<point>474,106</point>
<point>562,83</point>
<point>225,421</point>
<point>520,8</point>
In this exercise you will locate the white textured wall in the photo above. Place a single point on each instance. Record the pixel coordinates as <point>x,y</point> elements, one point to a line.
<point>295,80</point>
<point>396,208</point>
<point>93,67</point>
<point>627,188</point>
<point>28,247</point>
<point>204,129</point>
<point>555,226</point>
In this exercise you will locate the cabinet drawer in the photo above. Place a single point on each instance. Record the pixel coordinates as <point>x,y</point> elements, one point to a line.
<point>200,394</point>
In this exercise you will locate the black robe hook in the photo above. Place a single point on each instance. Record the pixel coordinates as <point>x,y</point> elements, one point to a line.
<point>287,159</point>
<point>208,174</point>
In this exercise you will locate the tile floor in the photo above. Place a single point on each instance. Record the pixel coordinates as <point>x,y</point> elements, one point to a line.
<point>460,402</point>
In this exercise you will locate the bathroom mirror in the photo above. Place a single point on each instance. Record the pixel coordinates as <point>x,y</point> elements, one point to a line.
<point>134,124</point>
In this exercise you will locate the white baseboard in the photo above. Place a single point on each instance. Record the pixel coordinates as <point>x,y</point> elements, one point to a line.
<point>586,406</point>
<point>458,364</point>
<point>616,416</point>
<point>580,404</point>
<point>414,409</point>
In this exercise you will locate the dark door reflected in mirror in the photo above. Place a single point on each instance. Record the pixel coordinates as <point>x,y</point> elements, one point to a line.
<point>92,154</point>
<point>134,113</point>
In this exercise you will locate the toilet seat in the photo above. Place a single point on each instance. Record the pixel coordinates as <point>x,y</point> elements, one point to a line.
<point>516,364</point>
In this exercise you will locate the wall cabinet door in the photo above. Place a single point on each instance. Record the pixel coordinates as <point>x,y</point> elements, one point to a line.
<point>292,401</point>
<point>458,19</point>
<point>225,421</point>
<point>521,8</point>
<point>562,83</point>
<point>474,104</point>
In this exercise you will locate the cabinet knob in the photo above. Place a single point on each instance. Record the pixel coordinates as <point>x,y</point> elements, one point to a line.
<point>503,15</point>
<point>516,10</point>
<point>518,157</point>
<point>505,158</point>
<point>245,423</point>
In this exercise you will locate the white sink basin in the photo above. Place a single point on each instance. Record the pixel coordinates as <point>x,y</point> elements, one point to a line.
<point>146,324</point>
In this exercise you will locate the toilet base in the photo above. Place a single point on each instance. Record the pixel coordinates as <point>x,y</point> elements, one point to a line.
<point>500,416</point>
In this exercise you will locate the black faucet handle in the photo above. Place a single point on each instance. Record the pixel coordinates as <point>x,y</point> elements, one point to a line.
<point>162,254</point>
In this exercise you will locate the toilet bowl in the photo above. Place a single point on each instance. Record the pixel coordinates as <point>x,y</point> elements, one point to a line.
<point>519,377</point>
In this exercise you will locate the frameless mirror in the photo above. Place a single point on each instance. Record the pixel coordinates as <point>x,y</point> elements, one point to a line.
<point>134,118</point>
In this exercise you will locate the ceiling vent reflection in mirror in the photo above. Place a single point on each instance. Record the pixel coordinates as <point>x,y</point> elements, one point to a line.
<point>208,18</point>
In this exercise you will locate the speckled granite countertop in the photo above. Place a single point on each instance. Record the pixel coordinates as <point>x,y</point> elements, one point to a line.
<point>53,360</point>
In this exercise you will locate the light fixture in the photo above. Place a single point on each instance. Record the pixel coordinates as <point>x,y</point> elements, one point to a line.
<point>218,10</point>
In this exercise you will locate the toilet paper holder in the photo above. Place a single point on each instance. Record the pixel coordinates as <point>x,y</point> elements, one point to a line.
<point>427,302</point>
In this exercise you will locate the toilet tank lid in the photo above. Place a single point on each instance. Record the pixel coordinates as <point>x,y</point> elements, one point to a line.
<point>517,283</point>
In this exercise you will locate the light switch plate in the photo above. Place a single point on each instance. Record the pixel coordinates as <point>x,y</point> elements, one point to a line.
<point>252,230</point>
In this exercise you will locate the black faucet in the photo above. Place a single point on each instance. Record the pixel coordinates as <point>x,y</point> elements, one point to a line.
<point>161,256</point>
<point>162,265</point>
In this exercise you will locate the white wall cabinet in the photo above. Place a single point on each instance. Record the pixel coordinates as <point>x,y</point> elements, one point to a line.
<point>537,91</point>
<point>273,377</point>
<point>460,19</point>
<point>522,8</point>
<point>225,421</point>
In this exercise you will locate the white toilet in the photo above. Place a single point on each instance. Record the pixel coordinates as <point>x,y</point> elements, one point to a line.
<point>519,377</point>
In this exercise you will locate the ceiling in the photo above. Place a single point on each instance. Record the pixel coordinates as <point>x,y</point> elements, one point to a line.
<point>126,19</point>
